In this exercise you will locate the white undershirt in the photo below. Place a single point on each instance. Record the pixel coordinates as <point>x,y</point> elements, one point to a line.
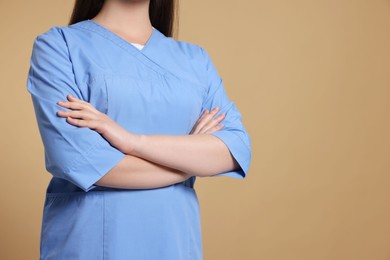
<point>139,46</point>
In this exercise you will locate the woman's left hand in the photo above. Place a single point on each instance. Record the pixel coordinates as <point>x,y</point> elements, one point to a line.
<point>83,114</point>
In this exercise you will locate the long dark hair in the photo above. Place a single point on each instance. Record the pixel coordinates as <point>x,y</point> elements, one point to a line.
<point>162,13</point>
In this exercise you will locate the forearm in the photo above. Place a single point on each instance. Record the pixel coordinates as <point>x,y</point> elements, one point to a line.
<point>199,155</point>
<point>136,173</point>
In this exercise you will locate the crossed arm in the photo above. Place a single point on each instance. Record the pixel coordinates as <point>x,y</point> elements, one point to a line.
<point>125,160</point>
<point>186,156</point>
<point>153,161</point>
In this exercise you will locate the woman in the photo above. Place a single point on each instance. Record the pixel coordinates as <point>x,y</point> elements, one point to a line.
<point>129,117</point>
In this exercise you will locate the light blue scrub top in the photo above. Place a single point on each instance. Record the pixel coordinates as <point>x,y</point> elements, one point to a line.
<point>162,88</point>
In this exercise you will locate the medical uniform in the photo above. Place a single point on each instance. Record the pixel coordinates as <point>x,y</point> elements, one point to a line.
<point>162,88</point>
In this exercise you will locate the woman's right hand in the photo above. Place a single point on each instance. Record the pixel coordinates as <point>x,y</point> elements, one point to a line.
<point>207,123</point>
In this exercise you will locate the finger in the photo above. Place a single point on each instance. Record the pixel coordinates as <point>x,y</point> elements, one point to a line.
<point>75,99</point>
<point>77,122</point>
<point>206,112</point>
<point>207,117</point>
<point>211,130</point>
<point>73,105</point>
<point>200,119</point>
<point>203,122</point>
<point>215,128</point>
<point>218,119</point>
<point>214,121</point>
<point>90,123</point>
<point>74,114</point>
<point>212,124</point>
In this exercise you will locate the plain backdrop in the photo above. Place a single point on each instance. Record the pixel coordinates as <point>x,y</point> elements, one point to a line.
<point>312,81</point>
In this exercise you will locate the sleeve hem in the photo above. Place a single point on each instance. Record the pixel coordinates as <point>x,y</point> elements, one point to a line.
<point>91,166</point>
<point>239,150</point>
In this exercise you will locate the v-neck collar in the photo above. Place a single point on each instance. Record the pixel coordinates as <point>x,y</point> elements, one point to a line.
<point>116,37</point>
<point>143,55</point>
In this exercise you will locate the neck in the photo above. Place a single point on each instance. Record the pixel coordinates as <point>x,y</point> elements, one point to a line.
<point>130,17</point>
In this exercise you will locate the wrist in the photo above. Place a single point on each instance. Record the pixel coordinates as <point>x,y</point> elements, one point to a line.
<point>133,143</point>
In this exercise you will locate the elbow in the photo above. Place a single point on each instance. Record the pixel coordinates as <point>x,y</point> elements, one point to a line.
<point>230,164</point>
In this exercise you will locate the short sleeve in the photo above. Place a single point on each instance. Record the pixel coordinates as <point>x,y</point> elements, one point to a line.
<point>79,155</point>
<point>233,134</point>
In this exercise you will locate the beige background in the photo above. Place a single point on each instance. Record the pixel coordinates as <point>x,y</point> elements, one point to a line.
<point>312,80</point>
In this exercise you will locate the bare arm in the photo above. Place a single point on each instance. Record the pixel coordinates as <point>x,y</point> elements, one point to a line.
<point>133,172</point>
<point>199,153</point>
<point>136,173</point>
<point>187,153</point>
